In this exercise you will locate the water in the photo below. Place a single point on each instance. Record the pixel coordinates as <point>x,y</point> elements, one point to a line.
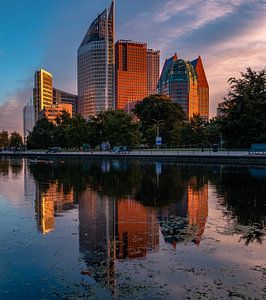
<point>104,229</point>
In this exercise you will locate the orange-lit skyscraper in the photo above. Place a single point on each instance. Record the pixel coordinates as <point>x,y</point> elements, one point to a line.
<point>47,98</point>
<point>203,88</point>
<point>131,72</point>
<point>43,91</point>
<point>137,72</point>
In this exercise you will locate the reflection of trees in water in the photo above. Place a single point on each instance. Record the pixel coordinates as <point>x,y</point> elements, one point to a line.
<point>119,179</point>
<point>15,165</point>
<point>4,166</point>
<point>254,234</point>
<point>242,194</point>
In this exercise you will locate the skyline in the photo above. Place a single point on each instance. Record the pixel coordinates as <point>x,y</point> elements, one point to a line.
<point>228,36</point>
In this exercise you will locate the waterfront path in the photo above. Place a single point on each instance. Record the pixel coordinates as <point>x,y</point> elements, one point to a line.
<point>174,155</point>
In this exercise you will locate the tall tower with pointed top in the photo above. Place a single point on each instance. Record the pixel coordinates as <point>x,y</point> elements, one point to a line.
<point>203,88</point>
<point>179,82</point>
<point>96,65</point>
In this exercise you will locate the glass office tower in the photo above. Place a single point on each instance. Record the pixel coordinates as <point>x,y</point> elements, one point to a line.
<point>96,66</point>
<point>179,82</point>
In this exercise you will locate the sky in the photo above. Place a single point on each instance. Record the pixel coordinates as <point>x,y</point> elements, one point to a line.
<point>229,35</point>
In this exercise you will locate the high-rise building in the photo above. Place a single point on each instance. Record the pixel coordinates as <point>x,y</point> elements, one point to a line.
<point>131,72</point>
<point>62,97</point>
<point>179,82</point>
<point>96,66</point>
<point>43,91</point>
<point>28,118</point>
<point>137,72</point>
<point>203,88</point>
<point>153,70</point>
<point>47,98</point>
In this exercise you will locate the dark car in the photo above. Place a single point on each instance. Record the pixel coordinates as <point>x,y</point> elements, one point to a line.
<point>53,150</point>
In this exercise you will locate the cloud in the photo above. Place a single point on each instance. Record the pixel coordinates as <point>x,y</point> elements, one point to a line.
<point>232,56</point>
<point>11,112</point>
<point>229,35</point>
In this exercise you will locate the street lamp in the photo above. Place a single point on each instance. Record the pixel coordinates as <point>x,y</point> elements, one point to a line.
<point>157,128</point>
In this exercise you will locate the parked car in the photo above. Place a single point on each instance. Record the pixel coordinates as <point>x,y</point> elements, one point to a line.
<point>53,150</point>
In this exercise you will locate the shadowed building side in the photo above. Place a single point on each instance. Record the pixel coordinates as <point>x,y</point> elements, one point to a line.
<point>62,97</point>
<point>153,70</point>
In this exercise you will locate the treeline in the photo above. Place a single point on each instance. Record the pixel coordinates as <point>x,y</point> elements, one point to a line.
<point>116,127</point>
<point>242,122</point>
<point>14,140</point>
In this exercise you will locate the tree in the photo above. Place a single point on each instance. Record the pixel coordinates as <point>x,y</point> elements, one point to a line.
<point>194,132</point>
<point>78,132</point>
<point>15,140</point>
<point>158,111</point>
<point>4,141</point>
<point>62,133</point>
<point>244,120</point>
<point>42,135</point>
<point>116,127</point>
<point>119,129</point>
<point>213,131</point>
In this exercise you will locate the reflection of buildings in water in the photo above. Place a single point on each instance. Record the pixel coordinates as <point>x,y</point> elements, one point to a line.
<point>186,219</point>
<point>197,209</point>
<point>111,230</point>
<point>138,229</point>
<point>29,183</point>
<point>45,214</point>
<point>49,202</point>
<point>97,234</point>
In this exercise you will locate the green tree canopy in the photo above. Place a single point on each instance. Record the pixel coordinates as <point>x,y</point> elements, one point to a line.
<point>244,120</point>
<point>42,135</point>
<point>78,132</point>
<point>116,127</point>
<point>194,131</point>
<point>158,110</point>
<point>62,130</point>
<point>15,140</point>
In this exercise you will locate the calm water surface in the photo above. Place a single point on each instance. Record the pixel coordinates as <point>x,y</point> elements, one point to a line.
<point>104,229</point>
